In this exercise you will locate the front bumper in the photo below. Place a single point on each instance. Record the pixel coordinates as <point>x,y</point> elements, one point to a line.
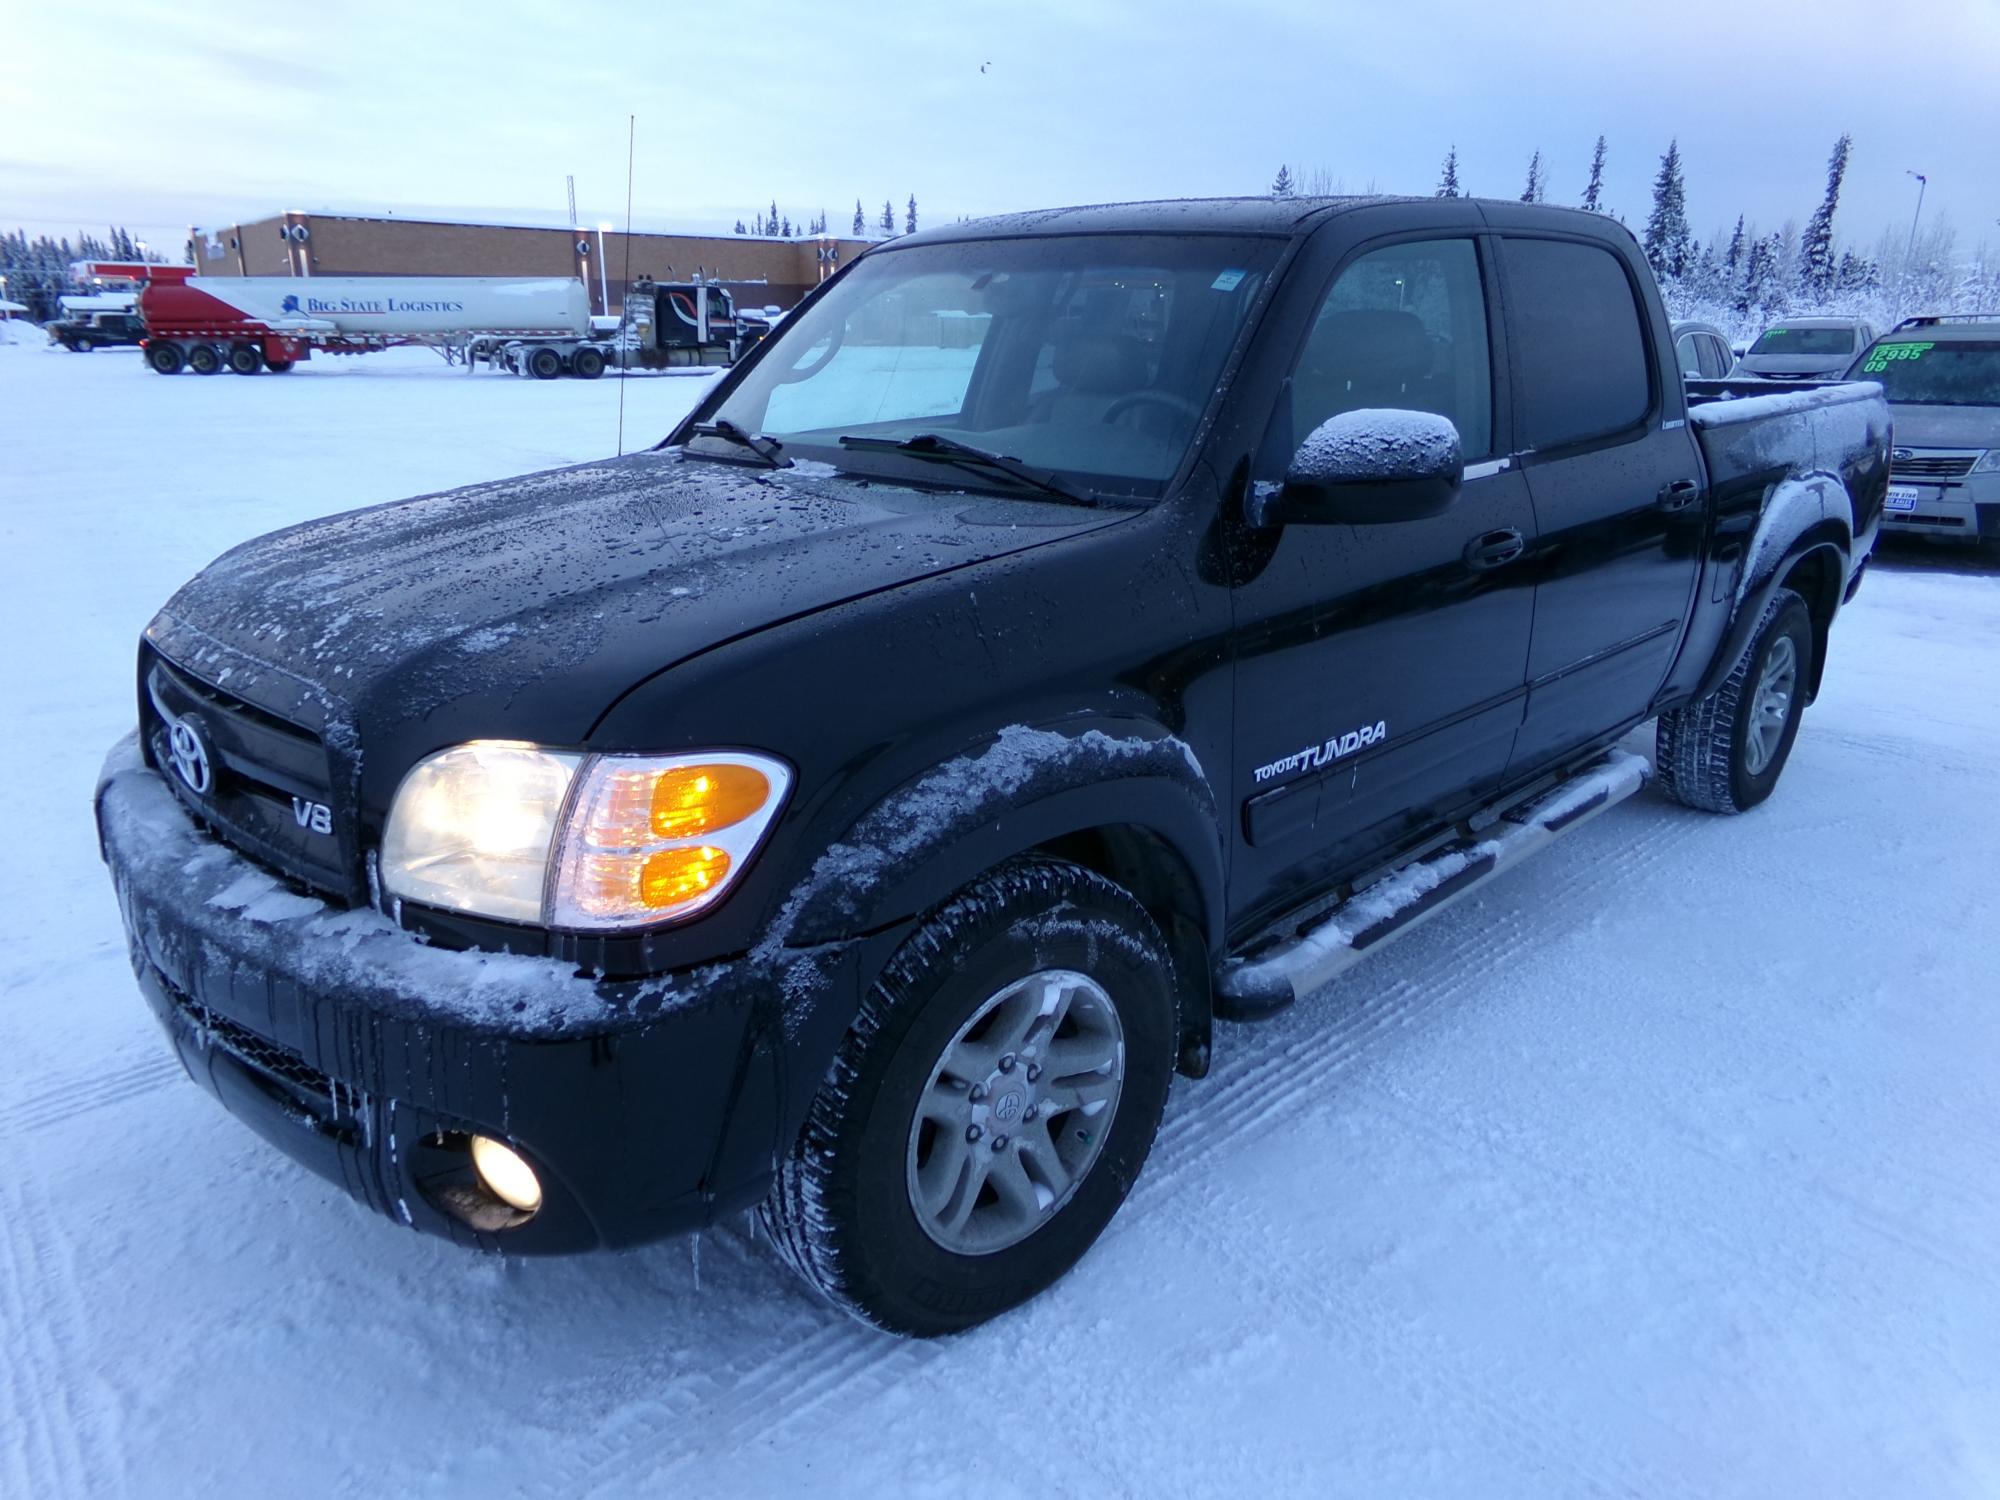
<point>1964,510</point>
<point>646,1106</point>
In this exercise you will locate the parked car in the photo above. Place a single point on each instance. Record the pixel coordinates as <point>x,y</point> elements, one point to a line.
<point>1941,375</point>
<point>1806,349</point>
<point>861,805</point>
<point>1702,351</point>
<point>84,331</point>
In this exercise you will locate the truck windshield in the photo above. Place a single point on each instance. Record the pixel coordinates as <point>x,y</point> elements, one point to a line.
<point>1806,341</point>
<point>1088,357</point>
<point>1917,372</point>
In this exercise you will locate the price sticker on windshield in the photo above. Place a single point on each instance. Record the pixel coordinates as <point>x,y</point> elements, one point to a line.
<point>1884,355</point>
<point>1228,281</point>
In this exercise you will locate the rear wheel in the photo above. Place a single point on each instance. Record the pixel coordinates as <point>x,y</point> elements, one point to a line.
<point>991,1106</point>
<point>204,359</point>
<point>245,359</point>
<point>1724,753</point>
<point>277,366</point>
<point>544,364</point>
<point>167,359</point>
<point>586,364</point>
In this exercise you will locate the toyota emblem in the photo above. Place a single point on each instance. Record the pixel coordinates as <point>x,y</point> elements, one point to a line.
<point>190,755</point>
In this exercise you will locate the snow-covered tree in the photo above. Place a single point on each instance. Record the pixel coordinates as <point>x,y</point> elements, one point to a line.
<point>910,222</point>
<point>1667,239</point>
<point>1532,193</point>
<point>1593,191</point>
<point>1281,185</point>
<point>1816,259</point>
<point>1732,263</point>
<point>739,226</point>
<point>1448,179</point>
<point>860,220</point>
<point>888,225</point>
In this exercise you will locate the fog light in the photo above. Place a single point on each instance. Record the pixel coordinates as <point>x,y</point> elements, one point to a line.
<point>506,1175</point>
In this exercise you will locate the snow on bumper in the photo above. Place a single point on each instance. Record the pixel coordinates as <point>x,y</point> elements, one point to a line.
<point>647,1106</point>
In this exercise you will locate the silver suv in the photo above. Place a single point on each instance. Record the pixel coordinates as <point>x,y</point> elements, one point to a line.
<point>1806,349</point>
<point>1942,377</point>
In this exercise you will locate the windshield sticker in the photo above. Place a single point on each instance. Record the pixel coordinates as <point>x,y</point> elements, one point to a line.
<point>1884,355</point>
<point>1228,281</point>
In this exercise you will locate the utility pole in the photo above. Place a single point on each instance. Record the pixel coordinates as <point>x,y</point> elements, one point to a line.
<point>1910,251</point>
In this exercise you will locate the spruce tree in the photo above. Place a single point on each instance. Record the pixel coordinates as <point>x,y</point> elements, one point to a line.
<point>860,220</point>
<point>888,219</point>
<point>1593,191</point>
<point>1281,185</point>
<point>910,223</point>
<point>1816,259</point>
<point>1733,261</point>
<point>1532,193</point>
<point>1448,183</point>
<point>739,226</point>
<point>1667,238</point>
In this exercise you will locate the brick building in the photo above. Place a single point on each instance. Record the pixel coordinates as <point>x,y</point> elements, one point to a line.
<point>760,272</point>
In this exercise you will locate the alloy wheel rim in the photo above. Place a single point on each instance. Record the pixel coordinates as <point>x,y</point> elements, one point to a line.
<point>1015,1112</point>
<point>1771,704</point>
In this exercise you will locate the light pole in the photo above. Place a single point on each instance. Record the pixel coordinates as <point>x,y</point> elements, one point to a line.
<point>1910,251</point>
<point>603,276</point>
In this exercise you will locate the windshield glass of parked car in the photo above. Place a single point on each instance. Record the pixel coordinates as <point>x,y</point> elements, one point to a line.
<point>1091,357</point>
<point>1806,341</point>
<point>1916,372</point>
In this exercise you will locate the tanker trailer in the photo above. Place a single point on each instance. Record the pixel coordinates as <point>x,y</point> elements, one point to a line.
<point>271,322</point>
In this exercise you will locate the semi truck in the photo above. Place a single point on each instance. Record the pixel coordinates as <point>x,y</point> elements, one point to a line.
<point>539,327</point>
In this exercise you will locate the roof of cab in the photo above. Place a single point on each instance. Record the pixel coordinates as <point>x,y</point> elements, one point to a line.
<point>1261,215</point>
<point>1983,328</point>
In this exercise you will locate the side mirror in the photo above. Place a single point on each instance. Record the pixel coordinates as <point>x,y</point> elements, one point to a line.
<point>1367,467</point>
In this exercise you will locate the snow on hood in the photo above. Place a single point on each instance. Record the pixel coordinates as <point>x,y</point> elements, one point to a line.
<point>578,581</point>
<point>1946,426</point>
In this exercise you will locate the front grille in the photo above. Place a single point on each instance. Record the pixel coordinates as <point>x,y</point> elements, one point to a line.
<point>1918,518</point>
<point>1942,466</point>
<point>268,776</point>
<point>339,1099</point>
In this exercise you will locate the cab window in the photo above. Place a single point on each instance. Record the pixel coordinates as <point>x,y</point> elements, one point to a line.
<point>1402,327</point>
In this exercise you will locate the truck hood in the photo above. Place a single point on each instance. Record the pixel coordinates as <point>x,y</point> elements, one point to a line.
<point>1946,426</point>
<point>1793,366</point>
<point>525,608</point>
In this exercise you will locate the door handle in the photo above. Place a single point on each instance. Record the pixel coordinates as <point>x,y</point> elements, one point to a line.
<point>1679,495</point>
<point>1494,549</point>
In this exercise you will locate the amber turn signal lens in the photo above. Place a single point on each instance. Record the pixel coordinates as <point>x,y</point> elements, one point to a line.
<point>692,800</point>
<point>673,877</point>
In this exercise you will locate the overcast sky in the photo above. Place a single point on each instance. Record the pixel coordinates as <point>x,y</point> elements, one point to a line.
<point>159,116</point>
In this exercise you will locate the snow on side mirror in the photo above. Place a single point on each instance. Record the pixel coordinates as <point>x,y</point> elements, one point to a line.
<point>1368,467</point>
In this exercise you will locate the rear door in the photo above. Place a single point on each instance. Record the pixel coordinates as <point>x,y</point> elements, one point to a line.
<point>1600,421</point>
<point>1380,668</point>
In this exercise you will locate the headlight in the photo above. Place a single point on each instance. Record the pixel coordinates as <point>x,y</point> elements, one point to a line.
<point>596,842</point>
<point>1989,461</point>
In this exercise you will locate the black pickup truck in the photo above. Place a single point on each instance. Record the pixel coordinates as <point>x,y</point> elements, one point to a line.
<point>1066,630</point>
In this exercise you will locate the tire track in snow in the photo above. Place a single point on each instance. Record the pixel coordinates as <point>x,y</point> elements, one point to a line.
<point>64,1446</point>
<point>778,1396</point>
<point>84,1090</point>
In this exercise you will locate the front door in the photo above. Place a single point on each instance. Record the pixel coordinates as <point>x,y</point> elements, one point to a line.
<point>1381,668</point>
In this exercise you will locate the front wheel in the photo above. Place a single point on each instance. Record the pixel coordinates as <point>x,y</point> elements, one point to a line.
<point>1724,753</point>
<point>83,346</point>
<point>990,1107</point>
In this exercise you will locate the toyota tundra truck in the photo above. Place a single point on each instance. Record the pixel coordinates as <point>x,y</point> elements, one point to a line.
<point>1067,631</point>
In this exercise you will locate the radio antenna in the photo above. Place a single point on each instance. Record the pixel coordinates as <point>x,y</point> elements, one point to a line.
<point>631,137</point>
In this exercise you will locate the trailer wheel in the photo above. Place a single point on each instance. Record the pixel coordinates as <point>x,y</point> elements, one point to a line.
<point>244,359</point>
<point>586,364</point>
<point>277,366</point>
<point>545,364</point>
<point>166,358</point>
<point>204,359</point>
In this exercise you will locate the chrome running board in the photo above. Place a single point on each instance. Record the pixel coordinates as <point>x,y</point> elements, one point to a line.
<point>1274,976</point>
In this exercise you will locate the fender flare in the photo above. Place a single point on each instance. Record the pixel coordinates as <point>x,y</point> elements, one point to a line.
<point>1804,515</point>
<point>1018,789</point>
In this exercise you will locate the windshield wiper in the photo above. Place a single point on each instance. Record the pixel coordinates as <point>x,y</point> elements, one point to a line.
<point>766,448</point>
<point>950,450</point>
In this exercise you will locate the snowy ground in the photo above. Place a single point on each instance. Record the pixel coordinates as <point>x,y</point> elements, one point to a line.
<point>1669,1165</point>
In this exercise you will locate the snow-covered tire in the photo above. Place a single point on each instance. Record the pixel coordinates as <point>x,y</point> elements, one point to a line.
<point>1704,752</point>
<point>844,1210</point>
